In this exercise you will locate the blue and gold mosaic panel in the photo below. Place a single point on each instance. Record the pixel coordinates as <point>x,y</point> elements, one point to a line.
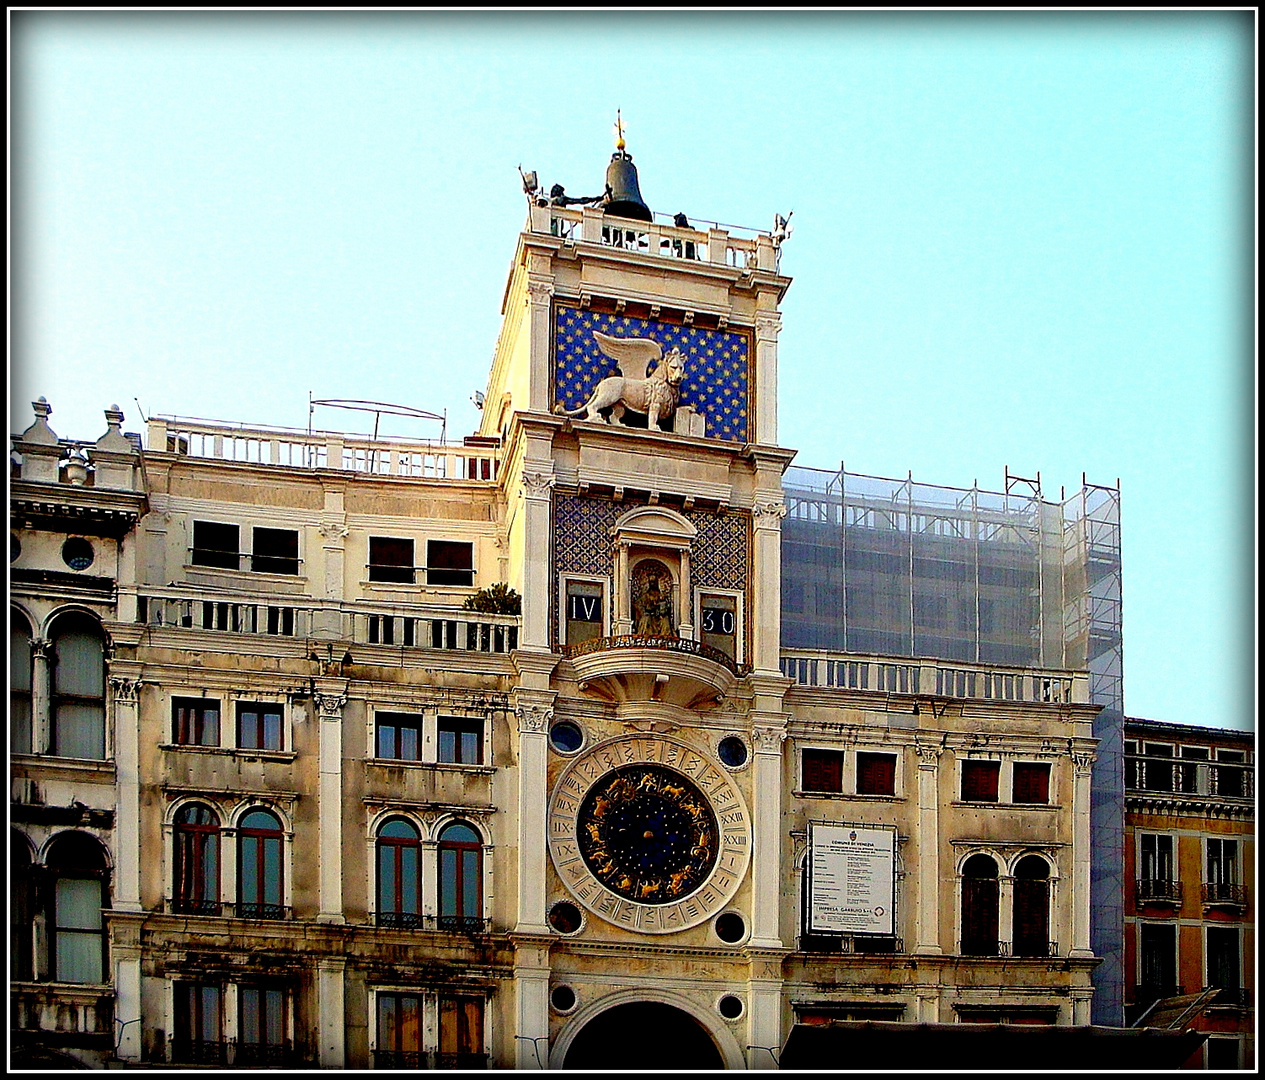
<point>717,381</point>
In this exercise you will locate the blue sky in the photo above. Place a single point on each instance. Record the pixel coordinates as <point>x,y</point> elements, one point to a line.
<point>1021,241</point>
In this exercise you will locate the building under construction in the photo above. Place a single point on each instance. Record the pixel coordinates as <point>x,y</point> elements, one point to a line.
<point>875,568</point>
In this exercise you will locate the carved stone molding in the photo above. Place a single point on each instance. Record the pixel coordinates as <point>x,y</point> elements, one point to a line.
<point>928,754</point>
<point>41,647</point>
<point>539,292</point>
<point>1083,760</point>
<point>768,513</point>
<point>333,530</point>
<point>126,691</point>
<point>538,485</point>
<point>533,719</point>
<point>767,327</point>
<point>329,706</point>
<point>768,740</point>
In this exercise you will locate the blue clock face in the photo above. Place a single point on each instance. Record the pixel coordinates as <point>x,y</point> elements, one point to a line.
<point>648,834</point>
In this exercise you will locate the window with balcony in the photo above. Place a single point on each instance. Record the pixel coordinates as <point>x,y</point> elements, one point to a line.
<point>1157,961</point>
<point>216,544</point>
<point>196,843</point>
<point>198,1035</point>
<point>1157,879</point>
<point>19,684</point>
<point>399,736</point>
<point>460,740</point>
<point>399,874</point>
<point>1222,882</point>
<point>195,721</point>
<point>1223,966</point>
<point>399,1042</point>
<point>259,725</point>
<point>259,866</point>
<point>1229,777</point>
<point>274,551</point>
<point>1193,770</point>
<point>461,1033</point>
<point>1157,769</point>
<point>980,780</point>
<point>460,878</point>
<point>449,562</point>
<point>876,774</point>
<point>1032,907</point>
<point>261,1026</point>
<point>78,865</point>
<point>391,559</point>
<point>78,688</point>
<point>822,771</point>
<point>1031,782</point>
<point>980,905</point>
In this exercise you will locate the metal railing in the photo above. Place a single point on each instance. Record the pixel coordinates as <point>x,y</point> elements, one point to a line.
<point>667,644</point>
<point>253,1053</point>
<point>449,629</point>
<point>199,1051</point>
<point>1224,892</point>
<point>254,910</point>
<point>1235,997</point>
<point>895,675</point>
<point>1184,777</point>
<point>983,947</point>
<point>1035,948</point>
<point>427,1059</point>
<point>1159,890</point>
<point>1147,992</point>
<point>444,924</point>
<point>185,906</point>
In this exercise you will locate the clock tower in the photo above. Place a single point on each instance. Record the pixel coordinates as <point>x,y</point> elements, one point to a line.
<point>634,394</point>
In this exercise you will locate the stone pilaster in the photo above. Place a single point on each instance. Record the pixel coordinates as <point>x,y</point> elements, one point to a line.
<point>331,1012</point>
<point>537,492</point>
<point>766,587</point>
<point>1082,762</point>
<point>534,712</point>
<point>767,327</point>
<point>328,700</point>
<point>125,692</point>
<point>764,1009</point>
<point>539,299</point>
<point>531,993</point>
<point>41,701</point>
<point>766,853</point>
<point>928,909</point>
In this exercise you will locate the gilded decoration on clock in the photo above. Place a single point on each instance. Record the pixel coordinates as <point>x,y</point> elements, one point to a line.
<point>647,833</point>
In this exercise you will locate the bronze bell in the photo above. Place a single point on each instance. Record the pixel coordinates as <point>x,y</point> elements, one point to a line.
<point>623,197</point>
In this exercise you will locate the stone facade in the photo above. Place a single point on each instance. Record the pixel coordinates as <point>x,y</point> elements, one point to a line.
<point>344,821</point>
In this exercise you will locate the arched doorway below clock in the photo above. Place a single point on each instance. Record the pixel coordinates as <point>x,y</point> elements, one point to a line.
<point>643,1035</point>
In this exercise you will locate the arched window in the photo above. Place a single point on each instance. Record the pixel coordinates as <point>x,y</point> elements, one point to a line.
<point>399,874</point>
<point>460,878</point>
<point>77,929</point>
<point>19,684</point>
<point>979,906</point>
<point>1032,907</point>
<point>78,688</point>
<point>196,890</point>
<point>259,892</point>
<point>21,907</point>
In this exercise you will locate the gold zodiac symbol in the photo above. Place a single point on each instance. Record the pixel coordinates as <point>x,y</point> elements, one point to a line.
<point>677,881</point>
<point>600,805</point>
<point>624,883</point>
<point>648,782</point>
<point>674,790</point>
<point>595,831</point>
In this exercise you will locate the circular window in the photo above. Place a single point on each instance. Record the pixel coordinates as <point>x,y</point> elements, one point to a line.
<point>15,546</point>
<point>566,737</point>
<point>77,553</point>
<point>730,927</point>
<point>562,999</point>
<point>565,917</point>
<point>732,751</point>
<point>730,1006</point>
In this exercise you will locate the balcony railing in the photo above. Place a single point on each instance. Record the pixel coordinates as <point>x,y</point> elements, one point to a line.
<point>1035,948</point>
<point>246,1053</point>
<point>460,1060</point>
<point>427,629</point>
<point>1224,893</point>
<point>401,1059</point>
<point>1159,891</point>
<point>668,644</point>
<point>850,944</point>
<point>1147,992</point>
<point>185,906</point>
<point>895,675</point>
<point>1234,997</point>
<point>199,1051</point>
<point>1184,777</point>
<point>444,924</point>
<point>262,911</point>
<point>983,947</point>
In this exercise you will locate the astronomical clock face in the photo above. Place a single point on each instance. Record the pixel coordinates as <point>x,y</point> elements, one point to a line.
<point>648,834</point>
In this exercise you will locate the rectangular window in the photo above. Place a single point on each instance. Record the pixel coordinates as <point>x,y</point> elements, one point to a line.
<point>980,780</point>
<point>1158,948</point>
<point>1157,775</point>
<point>399,1032</point>
<point>1228,774</point>
<point>823,771</point>
<point>1223,958</point>
<point>1031,782</point>
<point>460,740</point>
<point>1223,1053</point>
<point>584,616</point>
<point>876,774</point>
<point>215,544</point>
<point>1157,858</point>
<point>399,736</point>
<point>195,722</point>
<point>390,559</point>
<point>461,1033</point>
<point>259,726</point>
<point>78,931</point>
<point>718,623</point>
<point>1223,862</point>
<point>449,562</point>
<point>275,551</point>
<point>1194,776</point>
<point>261,1026</point>
<point>198,1037</point>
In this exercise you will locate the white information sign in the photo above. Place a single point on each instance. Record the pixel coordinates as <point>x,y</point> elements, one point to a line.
<point>851,879</point>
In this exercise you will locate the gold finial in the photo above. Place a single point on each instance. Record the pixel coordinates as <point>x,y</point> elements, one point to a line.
<point>619,131</point>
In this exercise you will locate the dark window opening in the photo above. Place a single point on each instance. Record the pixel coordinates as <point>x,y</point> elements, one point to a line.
<point>78,689</point>
<point>275,551</point>
<point>449,562</point>
<point>261,1030</point>
<point>259,871</point>
<point>1158,947</point>
<point>980,901</point>
<point>390,559</point>
<point>399,875</point>
<point>460,740</point>
<point>216,544</point>
<point>1223,958</point>
<point>461,1034</point>
<point>196,890</point>
<point>195,722</point>
<point>1032,907</point>
<point>399,736</point>
<point>198,1038</point>
<point>20,732</point>
<point>259,726</point>
<point>1031,782</point>
<point>979,780</point>
<point>460,878</point>
<point>823,771</point>
<point>78,947</point>
<point>399,1032</point>
<point>876,774</point>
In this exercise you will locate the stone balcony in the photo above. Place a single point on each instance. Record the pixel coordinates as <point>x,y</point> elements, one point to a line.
<point>628,669</point>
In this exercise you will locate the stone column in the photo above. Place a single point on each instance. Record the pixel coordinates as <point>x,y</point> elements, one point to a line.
<point>928,909</point>
<point>531,991</point>
<point>766,587</point>
<point>537,489</point>
<point>328,700</point>
<point>766,863</point>
<point>1006,910</point>
<point>686,620</point>
<point>1082,762</point>
<point>535,713</point>
<point>127,842</point>
<point>41,697</point>
<point>332,1019</point>
<point>623,589</point>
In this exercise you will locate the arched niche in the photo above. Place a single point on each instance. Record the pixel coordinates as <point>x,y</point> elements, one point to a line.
<point>652,556</point>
